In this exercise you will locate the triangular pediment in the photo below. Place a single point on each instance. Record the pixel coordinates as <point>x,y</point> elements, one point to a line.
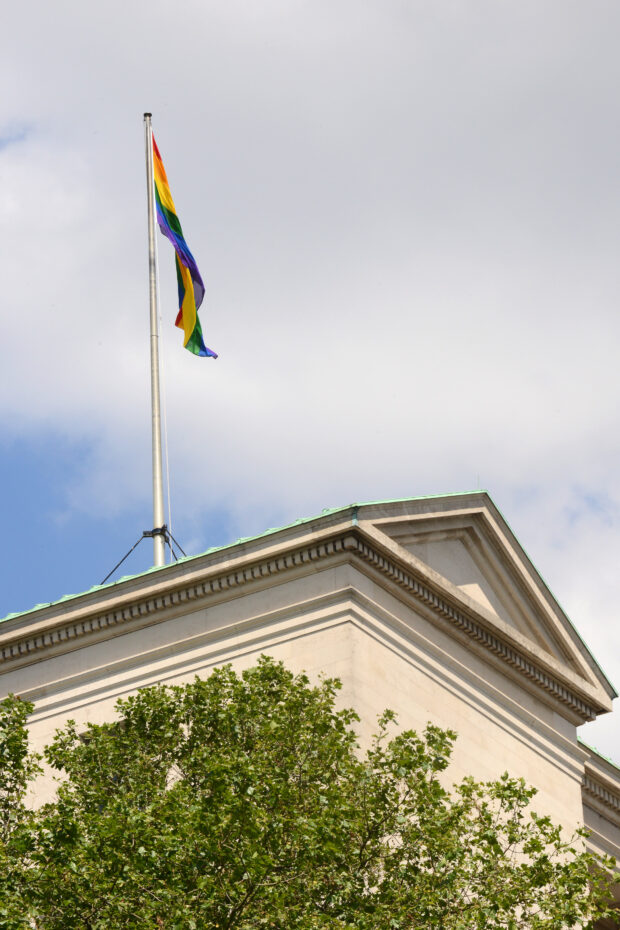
<point>465,545</point>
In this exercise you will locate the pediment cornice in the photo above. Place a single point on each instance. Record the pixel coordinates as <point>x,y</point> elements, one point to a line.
<point>600,793</point>
<point>600,786</point>
<point>209,580</point>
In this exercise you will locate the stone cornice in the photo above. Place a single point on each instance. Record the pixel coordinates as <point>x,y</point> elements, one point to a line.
<point>164,596</point>
<point>603,792</point>
<point>475,629</point>
<point>36,634</point>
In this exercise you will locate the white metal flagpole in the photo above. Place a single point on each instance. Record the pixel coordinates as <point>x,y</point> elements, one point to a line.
<point>158,487</point>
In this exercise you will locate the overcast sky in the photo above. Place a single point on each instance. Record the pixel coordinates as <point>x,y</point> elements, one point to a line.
<point>407,215</point>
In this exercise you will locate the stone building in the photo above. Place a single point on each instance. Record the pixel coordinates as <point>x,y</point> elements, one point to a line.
<point>427,606</point>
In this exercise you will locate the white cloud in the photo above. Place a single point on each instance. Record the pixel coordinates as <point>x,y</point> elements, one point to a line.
<point>408,221</point>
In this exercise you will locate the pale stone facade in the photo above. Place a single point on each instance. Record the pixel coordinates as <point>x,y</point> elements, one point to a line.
<point>427,606</point>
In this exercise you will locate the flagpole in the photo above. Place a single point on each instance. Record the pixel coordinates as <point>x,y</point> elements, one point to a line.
<point>158,486</point>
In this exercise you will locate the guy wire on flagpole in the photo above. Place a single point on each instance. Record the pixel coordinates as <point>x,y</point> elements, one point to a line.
<point>158,491</point>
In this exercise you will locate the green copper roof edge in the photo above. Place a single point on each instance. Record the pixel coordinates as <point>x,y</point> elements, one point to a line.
<point>598,753</point>
<point>329,511</point>
<point>300,522</point>
<point>570,622</point>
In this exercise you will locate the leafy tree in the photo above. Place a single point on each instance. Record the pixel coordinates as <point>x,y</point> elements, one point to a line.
<point>244,802</point>
<point>17,768</point>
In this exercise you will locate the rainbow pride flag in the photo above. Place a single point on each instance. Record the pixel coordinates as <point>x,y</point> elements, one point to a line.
<point>191,287</point>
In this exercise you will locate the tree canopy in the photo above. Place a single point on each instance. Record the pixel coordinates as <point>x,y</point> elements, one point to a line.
<point>244,801</point>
